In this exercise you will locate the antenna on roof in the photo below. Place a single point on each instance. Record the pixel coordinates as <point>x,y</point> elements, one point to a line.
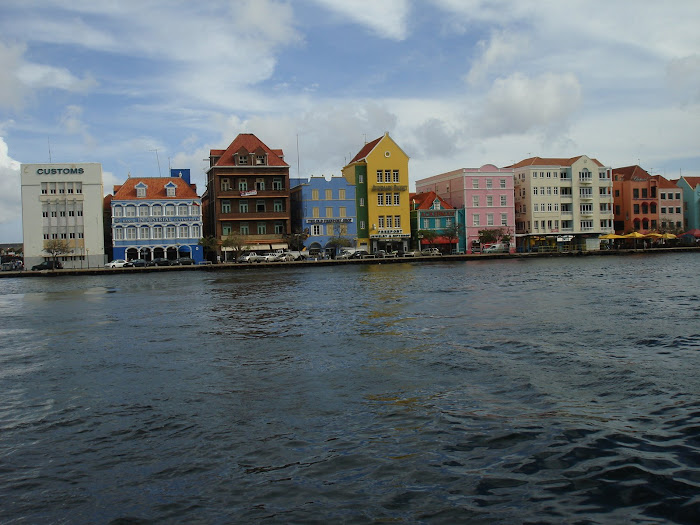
<point>48,139</point>
<point>157,159</point>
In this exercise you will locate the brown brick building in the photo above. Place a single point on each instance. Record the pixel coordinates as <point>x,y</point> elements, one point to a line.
<point>248,194</point>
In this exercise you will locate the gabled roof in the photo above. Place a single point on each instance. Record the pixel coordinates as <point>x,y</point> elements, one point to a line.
<point>662,182</point>
<point>155,189</point>
<point>693,182</point>
<point>367,148</point>
<point>423,201</point>
<point>540,161</point>
<point>249,143</point>
<point>632,173</point>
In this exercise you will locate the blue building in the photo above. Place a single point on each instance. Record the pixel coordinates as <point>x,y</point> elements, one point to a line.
<point>325,210</point>
<point>156,217</point>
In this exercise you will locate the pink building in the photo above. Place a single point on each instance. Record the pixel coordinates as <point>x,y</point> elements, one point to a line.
<point>486,194</point>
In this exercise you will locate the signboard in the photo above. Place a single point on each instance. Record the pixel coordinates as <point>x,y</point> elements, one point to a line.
<point>437,213</point>
<point>249,193</point>
<point>321,221</point>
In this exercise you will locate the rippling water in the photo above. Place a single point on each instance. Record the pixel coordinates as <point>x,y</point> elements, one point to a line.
<point>537,391</point>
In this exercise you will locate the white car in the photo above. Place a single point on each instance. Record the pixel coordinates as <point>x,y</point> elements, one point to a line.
<point>117,263</point>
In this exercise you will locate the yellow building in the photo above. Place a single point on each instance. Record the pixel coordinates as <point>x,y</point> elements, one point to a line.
<point>380,175</point>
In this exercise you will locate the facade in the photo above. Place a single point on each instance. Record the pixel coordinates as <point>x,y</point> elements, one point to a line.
<point>379,173</point>
<point>157,217</point>
<point>691,202</point>
<point>248,194</point>
<point>670,205</point>
<point>562,203</point>
<point>486,194</point>
<point>63,202</point>
<point>636,200</point>
<point>325,210</point>
<point>431,213</point>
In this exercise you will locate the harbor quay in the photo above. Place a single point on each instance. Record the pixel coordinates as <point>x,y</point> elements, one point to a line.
<point>333,262</point>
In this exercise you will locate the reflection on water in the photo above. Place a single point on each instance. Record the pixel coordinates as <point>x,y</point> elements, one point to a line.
<point>548,391</point>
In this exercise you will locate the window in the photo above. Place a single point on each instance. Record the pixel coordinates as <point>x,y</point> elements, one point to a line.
<point>225,184</point>
<point>636,209</point>
<point>476,220</point>
<point>362,201</point>
<point>260,160</point>
<point>503,183</point>
<point>329,211</point>
<point>536,207</point>
<point>141,190</point>
<point>182,210</point>
<point>363,225</point>
<point>426,224</point>
<point>226,229</point>
<point>504,219</point>
<point>342,211</point>
<point>380,176</point>
<point>244,229</point>
<point>278,205</point>
<point>678,196</point>
<point>549,206</point>
<point>635,193</point>
<point>380,221</point>
<point>489,184</point>
<point>329,230</point>
<point>118,211</point>
<point>242,184</point>
<point>360,179</point>
<point>396,176</point>
<point>118,234</point>
<point>130,211</point>
<point>44,189</point>
<point>341,194</point>
<point>131,233</point>
<point>157,232</point>
<point>63,214</point>
<point>475,201</point>
<point>586,209</point>
<point>475,184</point>
<point>170,190</point>
<point>380,199</point>
<point>314,195</point>
<point>489,219</point>
<point>489,200</point>
<point>387,175</point>
<point>678,210</point>
<point>397,221</point>
<point>504,200</point>
<point>225,207</point>
<point>645,193</point>
<point>389,221</point>
<point>184,231</point>
<point>279,227</point>
<point>242,160</point>
<point>170,232</point>
<point>277,184</point>
<point>315,212</point>
<point>243,206</point>
<point>397,199</point>
<point>260,184</point>
<point>260,206</point>
<point>195,231</point>
<point>170,209</point>
<point>586,225</point>
<point>663,210</point>
<point>329,195</point>
<point>143,211</point>
<point>44,213</point>
<point>316,229</point>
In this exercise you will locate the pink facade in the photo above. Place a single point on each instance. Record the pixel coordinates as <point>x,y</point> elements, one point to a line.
<point>485,193</point>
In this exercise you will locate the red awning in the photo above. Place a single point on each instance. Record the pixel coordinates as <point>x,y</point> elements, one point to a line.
<point>439,240</point>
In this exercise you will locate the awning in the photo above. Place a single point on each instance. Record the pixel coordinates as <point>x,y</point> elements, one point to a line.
<point>279,246</point>
<point>439,240</point>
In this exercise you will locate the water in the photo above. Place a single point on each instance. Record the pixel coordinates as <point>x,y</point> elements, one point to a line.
<point>561,390</point>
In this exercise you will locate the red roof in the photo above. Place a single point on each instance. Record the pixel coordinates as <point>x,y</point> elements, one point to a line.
<point>692,181</point>
<point>250,144</point>
<point>366,150</point>
<point>155,189</point>
<point>423,201</point>
<point>632,173</point>
<point>663,182</point>
<point>539,161</point>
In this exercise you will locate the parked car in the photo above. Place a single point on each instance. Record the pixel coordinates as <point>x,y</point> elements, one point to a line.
<point>138,263</point>
<point>251,257</point>
<point>383,254</point>
<point>497,248</point>
<point>359,254</point>
<point>284,257</point>
<point>409,253</point>
<point>48,265</point>
<point>345,254</point>
<point>159,261</point>
<point>431,252</point>
<point>117,263</point>
<point>183,261</point>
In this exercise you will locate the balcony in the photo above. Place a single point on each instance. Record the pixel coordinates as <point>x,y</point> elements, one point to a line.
<point>585,180</point>
<point>253,216</point>
<point>586,196</point>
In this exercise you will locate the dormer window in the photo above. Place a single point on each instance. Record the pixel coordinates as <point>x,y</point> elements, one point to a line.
<point>141,190</point>
<point>260,160</point>
<point>436,204</point>
<point>242,160</point>
<point>170,189</point>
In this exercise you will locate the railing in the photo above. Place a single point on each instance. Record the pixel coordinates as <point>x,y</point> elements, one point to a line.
<point>253,215</point>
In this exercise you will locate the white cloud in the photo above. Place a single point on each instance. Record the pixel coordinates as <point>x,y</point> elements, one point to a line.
<point>502,49</point>
<point>39,76</point>
<point>385,18</point>
<point>683,77</point>
<point>519,103</point>
<point>10,199</point>
<point>11,88</point>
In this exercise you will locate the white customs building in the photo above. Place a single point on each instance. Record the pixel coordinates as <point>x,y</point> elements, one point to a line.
<point>63,201</point>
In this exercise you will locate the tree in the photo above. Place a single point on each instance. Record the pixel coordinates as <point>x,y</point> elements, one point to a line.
<point>428,235</point>
<point>56,247</point>
<point>453,232</point>
<point>236,242</point>
<point>296,240</point>
<point>490,235</point>
<point>209,244</point>
<point>339,240</point>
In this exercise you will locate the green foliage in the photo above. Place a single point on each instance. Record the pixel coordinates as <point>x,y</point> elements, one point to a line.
<point>56,247</point>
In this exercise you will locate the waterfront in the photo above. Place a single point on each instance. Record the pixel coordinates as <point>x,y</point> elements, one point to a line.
<point>501,391</point>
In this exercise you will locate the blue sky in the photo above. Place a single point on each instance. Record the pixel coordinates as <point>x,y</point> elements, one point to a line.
<point>457,83</point>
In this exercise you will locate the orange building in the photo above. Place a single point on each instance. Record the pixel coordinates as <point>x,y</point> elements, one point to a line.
<point>635,200</point>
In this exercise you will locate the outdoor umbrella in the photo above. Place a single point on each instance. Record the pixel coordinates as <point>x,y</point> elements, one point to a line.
<point>694,232</point>
<point>635,236</point>
<point>668,236</point>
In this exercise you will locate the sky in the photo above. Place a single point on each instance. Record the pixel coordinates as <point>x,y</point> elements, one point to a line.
<point>141,86</point>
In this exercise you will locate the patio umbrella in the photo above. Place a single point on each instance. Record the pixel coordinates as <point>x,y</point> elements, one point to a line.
<point>668,236</point>
<point>694,232</point>
<point>635,236</point>
<point>653,235</point>
<point>611,236</point>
